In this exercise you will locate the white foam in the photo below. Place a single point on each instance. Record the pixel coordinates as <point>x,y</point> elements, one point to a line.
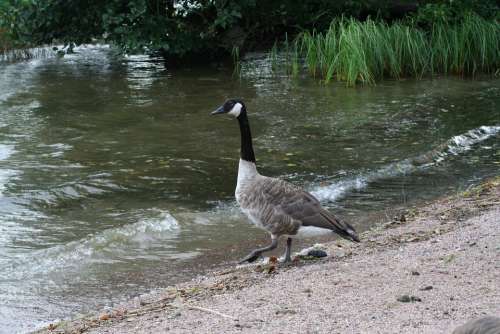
<point>108,246</point>
<point>5,174</point>
<point>6,151</point>
<point>464,142</point>
<point>454,146</point>
<point>340,188</point>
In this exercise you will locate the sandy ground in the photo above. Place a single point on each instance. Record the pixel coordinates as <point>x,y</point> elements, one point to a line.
<point>428,272</point>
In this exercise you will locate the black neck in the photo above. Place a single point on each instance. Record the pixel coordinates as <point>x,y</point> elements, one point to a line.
<point>246,138</point>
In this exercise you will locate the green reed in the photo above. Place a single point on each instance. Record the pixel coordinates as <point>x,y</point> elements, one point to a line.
<point>365,52</point>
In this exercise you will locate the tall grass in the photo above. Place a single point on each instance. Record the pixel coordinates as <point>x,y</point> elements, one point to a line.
<point>17,54</point>
<point>11,51</point>
<point>235,54</point>
<point>364,52</point>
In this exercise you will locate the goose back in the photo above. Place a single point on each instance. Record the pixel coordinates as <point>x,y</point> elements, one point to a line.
<point>282,208</point>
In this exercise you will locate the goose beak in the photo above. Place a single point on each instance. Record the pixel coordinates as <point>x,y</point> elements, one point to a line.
<point>219,110</point>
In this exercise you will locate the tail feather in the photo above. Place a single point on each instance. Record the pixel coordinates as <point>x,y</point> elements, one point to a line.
<point>344,229</point>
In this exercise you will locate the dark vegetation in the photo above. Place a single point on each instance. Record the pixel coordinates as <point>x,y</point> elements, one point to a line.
<point>387,36</point>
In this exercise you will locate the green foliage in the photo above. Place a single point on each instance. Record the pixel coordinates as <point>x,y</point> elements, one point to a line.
<point>454,11</point>
<point>208,29</point>
<point>37,22</point>
<point>180,29</point>
<point>364,52</point>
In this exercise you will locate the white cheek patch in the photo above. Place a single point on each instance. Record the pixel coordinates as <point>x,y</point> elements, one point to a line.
<point>236,110</point>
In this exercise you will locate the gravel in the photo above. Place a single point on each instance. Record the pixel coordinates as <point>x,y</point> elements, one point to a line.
<point>427,261</point>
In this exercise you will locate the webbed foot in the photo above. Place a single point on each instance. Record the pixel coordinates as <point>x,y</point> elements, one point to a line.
<point>252,257</point>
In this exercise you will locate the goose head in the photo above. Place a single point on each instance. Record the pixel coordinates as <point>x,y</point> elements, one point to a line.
<point>233,107</point>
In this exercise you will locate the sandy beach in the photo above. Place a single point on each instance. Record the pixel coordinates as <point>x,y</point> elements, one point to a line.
<point>427,271</point>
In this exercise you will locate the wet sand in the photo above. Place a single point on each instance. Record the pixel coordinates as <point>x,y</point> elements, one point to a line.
<point>427,271</point>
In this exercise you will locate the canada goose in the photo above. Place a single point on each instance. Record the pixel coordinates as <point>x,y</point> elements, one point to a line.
<point>274,205</point>
<point>485,325</point>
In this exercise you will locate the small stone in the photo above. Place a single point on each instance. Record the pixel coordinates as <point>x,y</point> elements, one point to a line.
<point>317,253</point>
<point>408,299</point>
<point>285,310</point>
<point>404,299</point>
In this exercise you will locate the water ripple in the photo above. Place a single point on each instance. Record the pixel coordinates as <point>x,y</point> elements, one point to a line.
<point>454,146</point>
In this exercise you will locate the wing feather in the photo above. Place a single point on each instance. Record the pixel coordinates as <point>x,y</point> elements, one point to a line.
<point>304,207</point>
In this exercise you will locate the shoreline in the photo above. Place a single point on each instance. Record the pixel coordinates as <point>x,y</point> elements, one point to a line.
<point>429,271</point>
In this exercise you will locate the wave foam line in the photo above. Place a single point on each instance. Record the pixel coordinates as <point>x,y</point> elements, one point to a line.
<point>454,146</point>
<point>111,245</point>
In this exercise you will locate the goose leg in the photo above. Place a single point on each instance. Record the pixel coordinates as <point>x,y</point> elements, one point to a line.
<point>254,255</point>
<point>288,250</point>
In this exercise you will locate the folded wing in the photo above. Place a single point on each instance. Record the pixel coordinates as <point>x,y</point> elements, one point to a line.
<point>304,207</point>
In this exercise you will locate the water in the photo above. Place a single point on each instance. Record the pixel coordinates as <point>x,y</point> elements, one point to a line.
<point>114,179</point>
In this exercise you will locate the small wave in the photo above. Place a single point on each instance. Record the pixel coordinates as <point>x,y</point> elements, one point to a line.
<point>65,193</point>
<point>6,151</point>
<point>338,189</point>
<point>454,146</point>
<point>5,174</point>
<point>464,142</point>
<point>57,150</point>
<point>109,246</point>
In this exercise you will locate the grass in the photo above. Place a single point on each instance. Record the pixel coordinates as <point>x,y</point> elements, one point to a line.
<point>12,55</point>
<point>235,53</point>
<point>365,52</point>
<point>11,51</point>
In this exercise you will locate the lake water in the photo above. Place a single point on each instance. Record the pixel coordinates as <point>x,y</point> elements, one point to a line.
<point>114,179</point>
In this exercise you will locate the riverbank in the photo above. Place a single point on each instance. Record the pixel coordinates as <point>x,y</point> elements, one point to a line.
<point>430,270</point>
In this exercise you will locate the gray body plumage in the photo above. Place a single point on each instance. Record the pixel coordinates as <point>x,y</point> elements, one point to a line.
<point>282,208</point>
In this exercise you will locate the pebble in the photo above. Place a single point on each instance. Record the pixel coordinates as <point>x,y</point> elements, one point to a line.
<point>408,299</point>
<point>317,253</point>
<point>285,311</point>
